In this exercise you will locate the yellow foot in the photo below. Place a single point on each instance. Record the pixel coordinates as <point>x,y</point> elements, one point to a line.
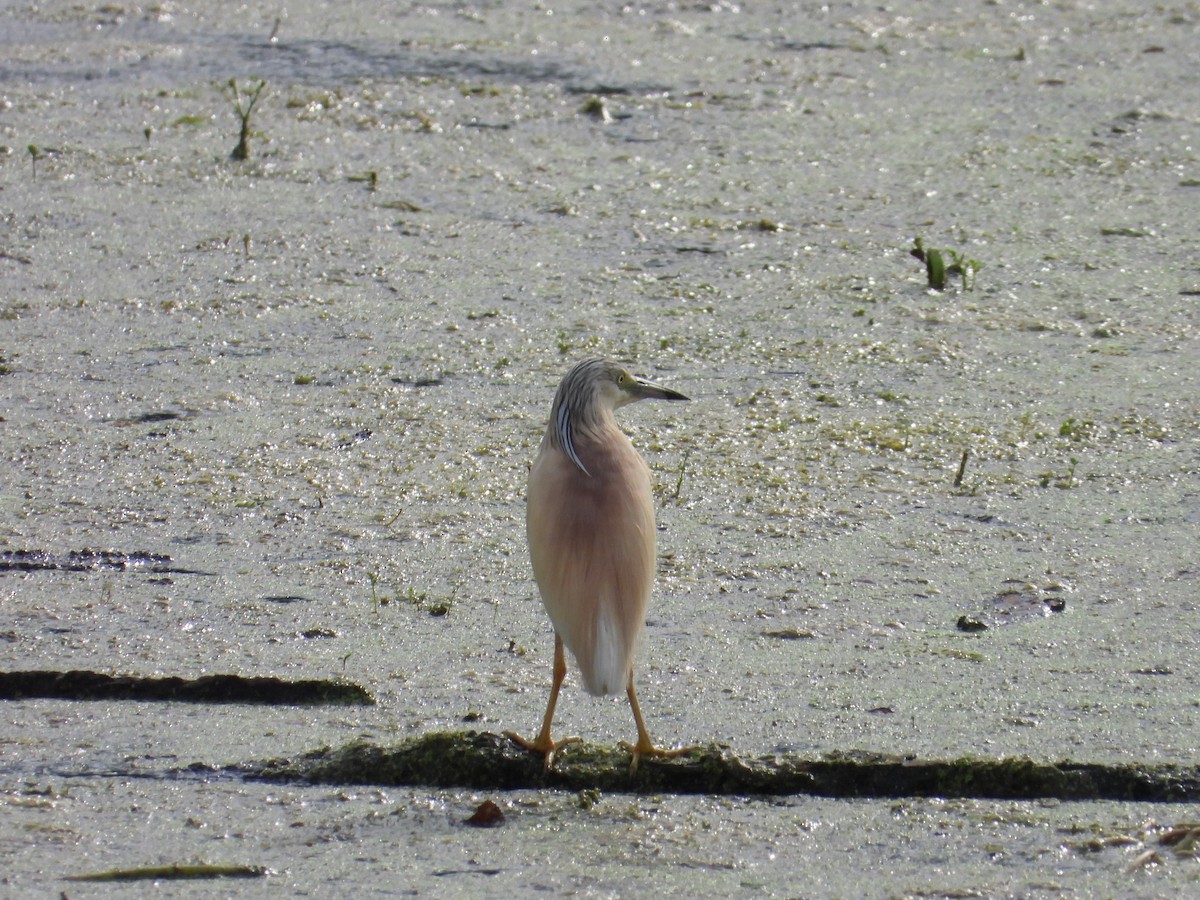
<point>542,744</point>
<point>640,749</point>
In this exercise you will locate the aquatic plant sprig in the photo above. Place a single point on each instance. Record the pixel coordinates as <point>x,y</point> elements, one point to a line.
<point>939,264</point>
<point>242,150</point>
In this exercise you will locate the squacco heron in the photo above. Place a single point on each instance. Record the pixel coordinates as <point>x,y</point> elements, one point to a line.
<point>590,525</point>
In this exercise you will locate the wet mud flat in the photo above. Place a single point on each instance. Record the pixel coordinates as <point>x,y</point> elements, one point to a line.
<point>453,808</point>
<point>269,420</point>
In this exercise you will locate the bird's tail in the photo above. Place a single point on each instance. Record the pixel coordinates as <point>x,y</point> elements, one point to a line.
<point>608,671</point>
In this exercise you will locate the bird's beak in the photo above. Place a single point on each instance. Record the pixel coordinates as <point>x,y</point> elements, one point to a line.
<point>641,389</point>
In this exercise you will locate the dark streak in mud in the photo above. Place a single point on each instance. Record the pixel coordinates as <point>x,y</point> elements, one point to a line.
<point>82,685</point>
<point>89,561</point>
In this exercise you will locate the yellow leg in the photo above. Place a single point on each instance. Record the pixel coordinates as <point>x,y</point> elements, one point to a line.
<point>543,743</point>
<point>645,746</point>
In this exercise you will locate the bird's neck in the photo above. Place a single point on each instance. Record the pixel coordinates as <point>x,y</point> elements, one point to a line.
<point>571,429</point>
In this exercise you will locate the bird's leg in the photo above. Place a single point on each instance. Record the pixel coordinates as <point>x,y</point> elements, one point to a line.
<point>543,743</point>
<point>645,746</point>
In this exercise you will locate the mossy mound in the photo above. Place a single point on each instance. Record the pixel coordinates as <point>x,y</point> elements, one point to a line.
<point>481,760</point>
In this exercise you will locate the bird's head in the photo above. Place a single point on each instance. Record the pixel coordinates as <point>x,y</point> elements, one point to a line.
<point>597,385</point>
<point>617,387</point>
<point>588,395</point>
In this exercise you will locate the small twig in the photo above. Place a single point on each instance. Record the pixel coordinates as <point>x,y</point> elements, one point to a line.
<point>682,470</point>
<point>962,468</point>
<point>23,260</point>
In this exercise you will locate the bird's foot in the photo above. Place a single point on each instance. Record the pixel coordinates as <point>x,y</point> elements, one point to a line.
<point>542,744</point>
<point>646,748</point>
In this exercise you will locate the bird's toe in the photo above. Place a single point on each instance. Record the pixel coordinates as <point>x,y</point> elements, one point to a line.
<point>641,749</point>
<point>543,745</point>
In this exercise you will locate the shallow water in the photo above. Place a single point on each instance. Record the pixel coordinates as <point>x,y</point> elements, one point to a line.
<point>360,377</point>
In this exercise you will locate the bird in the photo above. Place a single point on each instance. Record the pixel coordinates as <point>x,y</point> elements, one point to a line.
<point>591,533</point>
